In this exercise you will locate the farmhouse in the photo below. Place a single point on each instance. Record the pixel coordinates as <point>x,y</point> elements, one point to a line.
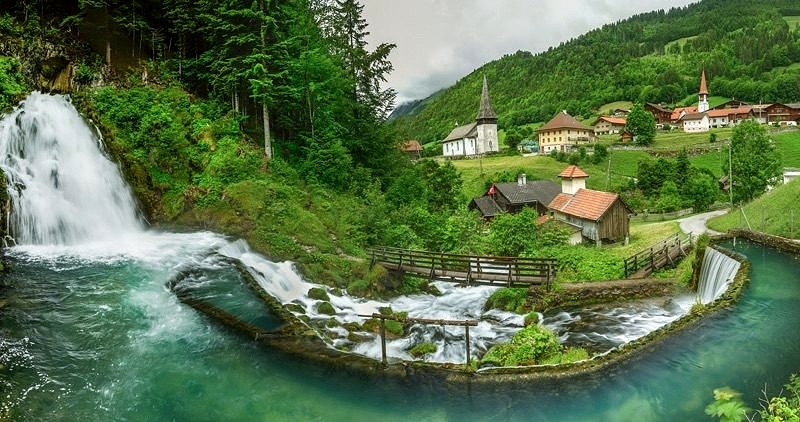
<point>607,124</point>
<point>729,116</point>
<point>479,137</point>
<point>514,196</point>
<point>695,122</point>
<point>563,133</point>
<point>662,114</point>
<point>412,148</point>
<point>602,216</point>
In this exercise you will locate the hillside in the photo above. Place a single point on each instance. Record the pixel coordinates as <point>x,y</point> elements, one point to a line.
<point>774,213</point>
<point>750,51</point>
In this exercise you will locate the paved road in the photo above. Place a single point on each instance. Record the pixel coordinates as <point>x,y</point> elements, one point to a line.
<point>696,224</point>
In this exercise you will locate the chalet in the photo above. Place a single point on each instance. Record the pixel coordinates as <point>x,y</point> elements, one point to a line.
<point>760,112</point>
<point>626,136</point>
<point>514,196</point>
<point>778,113</point>
<point>479,137</point>
<point>695,122</point>
<point>412,148</point>
<point>607,124</point>
<point>729,116</point>
<point>662,114</point>
<point>563,133</point>
<point>602,216</point>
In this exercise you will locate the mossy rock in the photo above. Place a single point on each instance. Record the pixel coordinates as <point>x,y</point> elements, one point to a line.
<point>295,308</point>
<point>358,338</point>
<point>359,288</point>
<point>318,293</point>
<point>532,318</point>
<point>326,308</point>
<point>352,326</point>
<point>422,349</point>
<point>507,299</point>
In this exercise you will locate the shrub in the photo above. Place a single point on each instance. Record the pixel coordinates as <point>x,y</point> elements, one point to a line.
<point>531,345</point>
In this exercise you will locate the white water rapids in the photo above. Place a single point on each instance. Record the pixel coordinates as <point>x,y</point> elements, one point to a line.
<point>70,201</point>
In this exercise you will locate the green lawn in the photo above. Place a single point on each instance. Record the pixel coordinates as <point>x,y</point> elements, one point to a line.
<point>793,21</point>
<point>643,235</point>
<point>775,212</point>
<point>677,139</point>
<point>788,143</point>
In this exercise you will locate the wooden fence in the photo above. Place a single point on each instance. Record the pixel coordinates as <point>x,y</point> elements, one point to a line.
<point>472,269</point>
<point>657,256</point>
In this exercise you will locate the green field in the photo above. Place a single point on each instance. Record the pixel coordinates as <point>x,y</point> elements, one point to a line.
<point>775,212</point>
<point>610,107</point>
<point>677,139</point>
<point>793,21</point>
<point>680,41</point>
<point>788,143</point>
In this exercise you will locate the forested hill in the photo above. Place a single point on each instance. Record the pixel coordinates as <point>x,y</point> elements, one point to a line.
<point>750,51</point>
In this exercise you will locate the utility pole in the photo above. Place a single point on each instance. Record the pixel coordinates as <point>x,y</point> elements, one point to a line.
<point>730,171</point>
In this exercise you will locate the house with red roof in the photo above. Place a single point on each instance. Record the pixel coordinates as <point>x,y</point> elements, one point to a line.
<point>602,216</point>
<point>609,124</point>
<point>563,133</point>
<point>412,148</point>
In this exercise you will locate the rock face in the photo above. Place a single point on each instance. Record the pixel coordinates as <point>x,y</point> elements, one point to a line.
<point>47,66</point>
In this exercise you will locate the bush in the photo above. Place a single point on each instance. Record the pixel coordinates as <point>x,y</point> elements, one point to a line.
<point>530,346</point>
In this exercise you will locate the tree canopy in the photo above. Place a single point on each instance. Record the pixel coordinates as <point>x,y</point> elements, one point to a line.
<point>754,162</point>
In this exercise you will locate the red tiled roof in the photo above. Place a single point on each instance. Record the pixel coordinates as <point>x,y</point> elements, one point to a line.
<point>613,120</point>
<point>572,172</point>
<point>586,203</point>
<point>676,114</point>
<point>562,120</point>
<point>703,88</point>
<point>411,146</point>
<point>728,111</point>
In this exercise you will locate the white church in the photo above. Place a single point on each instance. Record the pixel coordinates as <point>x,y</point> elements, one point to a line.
<point>479,137</point>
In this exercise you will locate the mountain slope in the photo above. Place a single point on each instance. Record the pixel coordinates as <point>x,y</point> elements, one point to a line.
<point>750,51</point>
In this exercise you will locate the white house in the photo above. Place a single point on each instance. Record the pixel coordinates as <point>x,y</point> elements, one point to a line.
<point>475,138</point>
<point>695,122</point>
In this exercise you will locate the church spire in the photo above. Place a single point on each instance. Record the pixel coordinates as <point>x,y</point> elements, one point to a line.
<point>702,103</point>
<point>703,88</point>
<point>485,112</point>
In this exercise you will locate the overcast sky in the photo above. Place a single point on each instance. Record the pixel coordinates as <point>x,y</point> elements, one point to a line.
<point>440,41</point>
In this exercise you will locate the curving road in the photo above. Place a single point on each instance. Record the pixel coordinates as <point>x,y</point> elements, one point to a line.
<point>696,224</point>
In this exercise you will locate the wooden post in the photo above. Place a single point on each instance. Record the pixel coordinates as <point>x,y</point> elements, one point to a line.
<point>383,341</point>
<point>466,337</point>
<point>625,263</point>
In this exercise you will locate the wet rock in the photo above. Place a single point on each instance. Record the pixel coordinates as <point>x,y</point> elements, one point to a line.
<point>318,293</point>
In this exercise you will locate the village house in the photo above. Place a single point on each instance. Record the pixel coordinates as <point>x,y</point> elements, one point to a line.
<point>694,122</point>
<point>479,137</point>
<point>563,133</point>
<point>602,216</point>
<point>512,197</point>
<point>412,148</point>
<point>662,114</point>
<point>605,125</point>
<point>724,117</point>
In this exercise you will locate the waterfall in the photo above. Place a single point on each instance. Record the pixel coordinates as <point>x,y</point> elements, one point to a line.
<point>716,274</point>
<point>63,189</point>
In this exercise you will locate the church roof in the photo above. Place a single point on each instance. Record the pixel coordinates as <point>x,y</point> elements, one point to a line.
<point>562,120</point>
<point>462,132</point>
<point>703,88</point>
<point>485,110</point>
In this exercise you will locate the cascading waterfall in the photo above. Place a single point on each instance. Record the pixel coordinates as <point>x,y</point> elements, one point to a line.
<point>63,190</point>
<point>716,274</point>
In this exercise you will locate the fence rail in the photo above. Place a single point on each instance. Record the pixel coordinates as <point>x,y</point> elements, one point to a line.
<point>473,269</point>
<point>663,253</point>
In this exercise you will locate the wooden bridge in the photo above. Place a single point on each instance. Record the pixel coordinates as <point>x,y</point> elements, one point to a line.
<point>470,269</point>
<point>663,253</point>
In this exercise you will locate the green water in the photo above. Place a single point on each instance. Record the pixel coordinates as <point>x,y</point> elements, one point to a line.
<point>108,341</point>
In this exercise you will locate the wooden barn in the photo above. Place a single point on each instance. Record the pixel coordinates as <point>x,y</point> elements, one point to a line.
<point>602,216</point>
<point>513,197</point>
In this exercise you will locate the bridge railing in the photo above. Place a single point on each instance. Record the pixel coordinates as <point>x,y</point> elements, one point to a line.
<point>657,255</point>
<point>511,270</point>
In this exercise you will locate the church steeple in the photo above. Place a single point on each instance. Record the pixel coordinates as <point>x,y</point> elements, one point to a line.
<point>702,104</point>
<point>485,113</point>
